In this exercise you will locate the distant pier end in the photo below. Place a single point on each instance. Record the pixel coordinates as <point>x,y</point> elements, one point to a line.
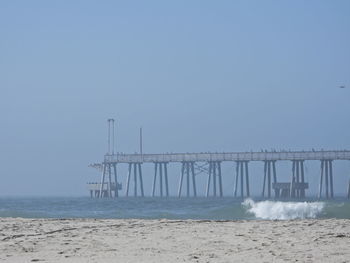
<point>109,190</point>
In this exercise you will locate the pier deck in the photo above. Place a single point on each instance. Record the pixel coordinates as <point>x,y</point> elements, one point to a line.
<point>228,156</point>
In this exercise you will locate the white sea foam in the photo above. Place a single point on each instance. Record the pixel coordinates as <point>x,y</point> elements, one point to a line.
<point>283,210</point>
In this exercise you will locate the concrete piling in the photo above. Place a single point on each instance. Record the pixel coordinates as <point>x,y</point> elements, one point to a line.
<point>214,174</point>
<point>327,173</point>
<point>187,169</point>
<point>163,170</point>
<point>269,173</point>
<point>241,171</point>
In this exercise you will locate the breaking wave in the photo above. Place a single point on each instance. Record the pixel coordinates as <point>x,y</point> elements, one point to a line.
<point>276,210</point>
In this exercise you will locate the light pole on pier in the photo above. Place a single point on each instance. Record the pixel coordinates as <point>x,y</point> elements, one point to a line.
<point>110,136</point>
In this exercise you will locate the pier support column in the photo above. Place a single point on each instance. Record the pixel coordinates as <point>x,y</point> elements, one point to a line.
<point>116,186</point>
<point>327,175</point>
<point>269,180</point>
<point>321,180</point>
<point>181,179</point>
<point>292,182</point>
<point>326,179</point>
<point>269,171</point>
<point>330,167</point>
<point>247,178</point>
<point>213,174</point>
<point>154,179</point>
<point>187,168</point>
<point>141,181</point>
<point>161,179</point>
<point>104,166</point>
<point>302,171</point>
<point>128,179</point>
<point>264,180</point>
<point>109,185</point>
<point>208,181</point>
<point>277,192</point>
<point>269,175</point>
<point>213,166</point>
<point>166,179</point>
<point>104,193</point>
<point>193,180</point>
<point>297,185</point>
<point>241,172</point>
<point>163,170</point>
<point>136,168</point>
<point>106,189</point>
<point>135,180</point>
<point>297,191</point>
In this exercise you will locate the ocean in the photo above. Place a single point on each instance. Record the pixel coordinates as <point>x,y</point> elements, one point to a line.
<point>172,208</point>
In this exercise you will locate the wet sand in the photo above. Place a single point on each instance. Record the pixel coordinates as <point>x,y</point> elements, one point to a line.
<point>89,240</point>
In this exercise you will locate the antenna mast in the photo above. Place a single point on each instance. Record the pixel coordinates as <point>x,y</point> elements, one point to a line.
<point>141,140</point>
<point>110,136</point>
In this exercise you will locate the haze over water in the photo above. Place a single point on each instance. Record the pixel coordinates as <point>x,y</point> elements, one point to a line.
<point>198,76</point>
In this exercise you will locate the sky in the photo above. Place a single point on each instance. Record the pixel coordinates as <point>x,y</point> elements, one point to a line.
<point>198,76</point>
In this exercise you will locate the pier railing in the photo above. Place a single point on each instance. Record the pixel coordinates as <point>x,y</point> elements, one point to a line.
<point>227,156</point>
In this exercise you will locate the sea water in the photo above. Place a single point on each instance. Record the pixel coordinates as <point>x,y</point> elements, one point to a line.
<point>171,208</point>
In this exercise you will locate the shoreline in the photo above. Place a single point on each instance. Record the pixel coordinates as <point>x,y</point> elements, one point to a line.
<point>162,240</point>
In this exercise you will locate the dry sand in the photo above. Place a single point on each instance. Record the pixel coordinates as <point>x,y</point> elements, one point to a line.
<point>89,240</point>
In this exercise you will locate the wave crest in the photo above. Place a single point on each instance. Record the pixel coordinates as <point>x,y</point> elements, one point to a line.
<point>277,210</point>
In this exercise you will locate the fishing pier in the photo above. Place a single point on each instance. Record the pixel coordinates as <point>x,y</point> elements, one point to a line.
<point>191,164</point>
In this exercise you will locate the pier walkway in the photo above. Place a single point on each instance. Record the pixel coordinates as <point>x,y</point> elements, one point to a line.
<point>228,156</point>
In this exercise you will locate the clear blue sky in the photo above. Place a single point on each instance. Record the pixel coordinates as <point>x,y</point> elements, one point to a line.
<point>197,75</point>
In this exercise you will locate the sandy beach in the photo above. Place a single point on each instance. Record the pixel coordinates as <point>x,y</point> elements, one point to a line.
<point>89,240</point>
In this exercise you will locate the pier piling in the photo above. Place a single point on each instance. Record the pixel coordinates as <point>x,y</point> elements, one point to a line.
<point>269,171</point>
<point>106,189</point>
<point>102,180</point>
<point>137,173</point>
<point>214,173</point>
<point>241,171</point>
<point>298,185</point>
<point>188,169</point>
<point>327,173</point>
<point>163,170</point>
<point>116,194</point>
